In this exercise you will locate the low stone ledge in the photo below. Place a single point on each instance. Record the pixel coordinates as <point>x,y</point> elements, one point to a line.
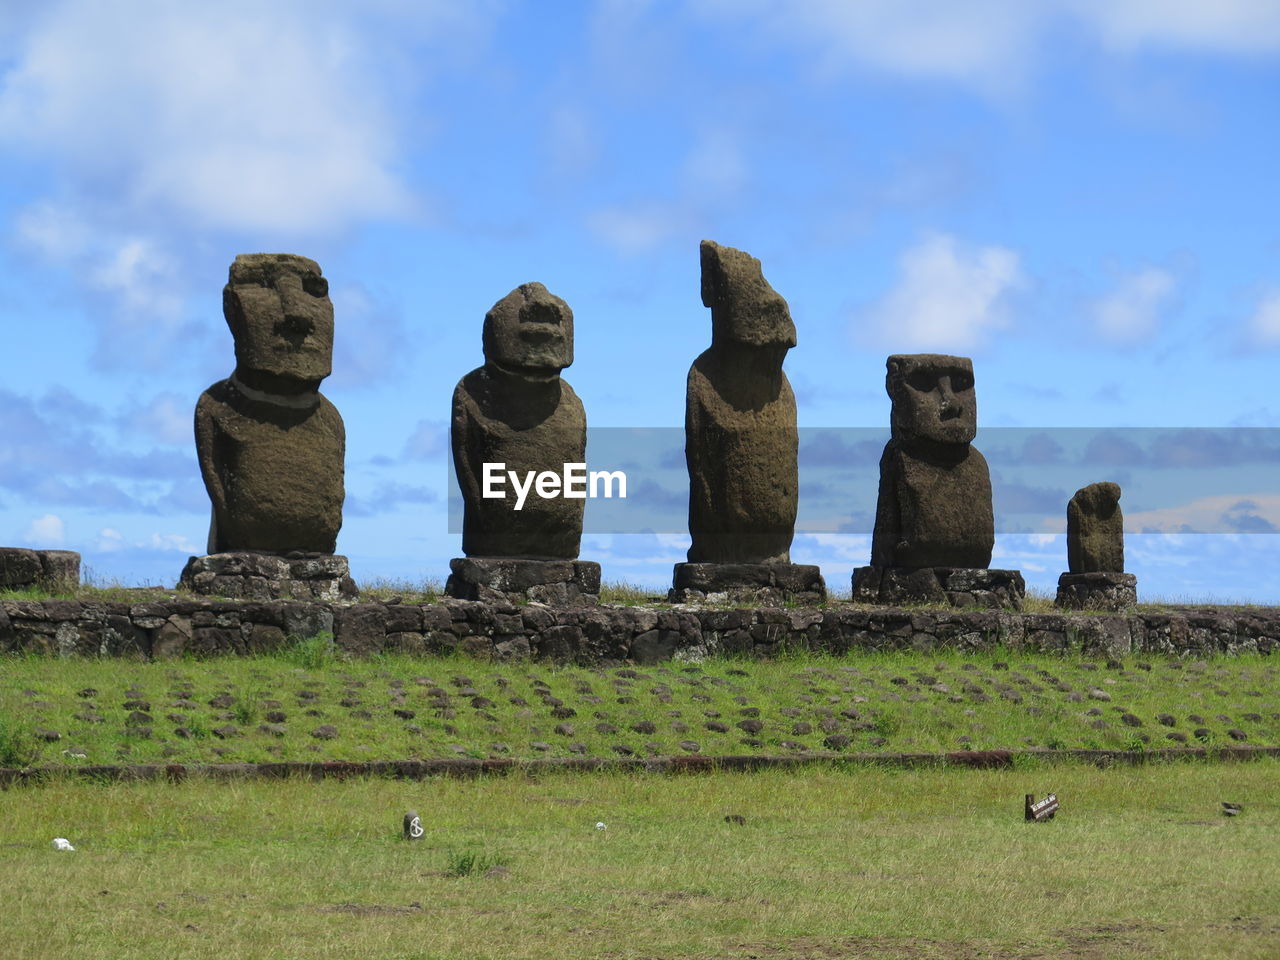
<point>605,635</point>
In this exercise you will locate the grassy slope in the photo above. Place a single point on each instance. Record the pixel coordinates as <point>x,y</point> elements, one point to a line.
<point>104,711</point>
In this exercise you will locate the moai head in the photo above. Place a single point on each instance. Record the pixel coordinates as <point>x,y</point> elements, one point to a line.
<point>530,332</point>
<point>277,306</point>
<point>933,397</point>
<point>744,308</point>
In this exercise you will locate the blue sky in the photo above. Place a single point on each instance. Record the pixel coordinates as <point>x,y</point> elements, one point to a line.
<point>1078,195</point>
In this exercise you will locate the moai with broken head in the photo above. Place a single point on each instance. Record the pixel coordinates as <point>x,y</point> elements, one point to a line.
<point>517,415</point>
<point>741,444</point>
<point>1095,552</point>
<point>271,446</point>
<point>935,527</point>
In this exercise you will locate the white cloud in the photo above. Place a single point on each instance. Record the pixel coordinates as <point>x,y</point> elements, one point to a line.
<point>165,418</point>
<point>1264,325</point>
<point>430,438</point>
<point>174,542</point>
<point>639,228</point>
<point>109,541</point>
<point>982,42</point>
<point>991,45</point>
<point>947,297</point>
<point>1222,26</point>
<point>571,142</point>
<point>1131,312</point>
<point>716,165</point>
<point>1221,513</point>
<point>46,531</point>
<point>54,231</point>
<point>259,117</point>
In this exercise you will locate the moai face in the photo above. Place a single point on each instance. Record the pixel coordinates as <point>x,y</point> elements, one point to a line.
<point>529,331</point>
<point>279,311</point>
<point>744,308</point>
<point>933,397</point>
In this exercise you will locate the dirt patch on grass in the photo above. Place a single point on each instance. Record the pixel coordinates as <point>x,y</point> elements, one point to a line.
<point>1090,943</point>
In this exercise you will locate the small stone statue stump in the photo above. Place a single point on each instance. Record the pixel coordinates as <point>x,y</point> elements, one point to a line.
<point>763,583</point>
<point>1095,553</point>
<point>517,580</point>
<point>54,570</point>
<point>955,586</point>
<point>265,576</point>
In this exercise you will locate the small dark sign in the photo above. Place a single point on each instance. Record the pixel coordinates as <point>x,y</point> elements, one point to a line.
<point>1041,809</point>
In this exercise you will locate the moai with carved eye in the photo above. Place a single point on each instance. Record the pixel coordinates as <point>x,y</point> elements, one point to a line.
<point>271,447</point>
<point>741,442</point>
<point>1095,576</point>
<point>935,527</point>
<point>517,411</point>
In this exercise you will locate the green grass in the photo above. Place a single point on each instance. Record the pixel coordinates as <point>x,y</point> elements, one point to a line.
<point>864,862</point>
<point>78,711</point>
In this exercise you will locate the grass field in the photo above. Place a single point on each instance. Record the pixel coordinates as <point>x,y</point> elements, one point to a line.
<point>868,862</point>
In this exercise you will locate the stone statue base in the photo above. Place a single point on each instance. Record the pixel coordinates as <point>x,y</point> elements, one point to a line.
<point>770,583</point>
<point>1097,591</point>
<point>515,580</point>
<point>270,576</point>
<point>54,570</point>
<point>955,586</point>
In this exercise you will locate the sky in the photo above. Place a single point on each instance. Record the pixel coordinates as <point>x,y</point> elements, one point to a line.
<point>1079,195</point>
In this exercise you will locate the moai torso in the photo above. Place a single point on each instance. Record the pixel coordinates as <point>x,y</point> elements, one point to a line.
<point>740,419</point>
<point>934,507</point>
<point>1095,530</point>
<point>516,410</point>
<point>271,447</point>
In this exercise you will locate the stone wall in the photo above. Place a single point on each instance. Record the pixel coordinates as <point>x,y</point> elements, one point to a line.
<point>201,627</point>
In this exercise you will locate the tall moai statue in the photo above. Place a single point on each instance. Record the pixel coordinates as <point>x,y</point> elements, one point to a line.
<point>935,527</point>
<point>517,416</point>
<point>1095,552</point>
<point>741,444</point>
<point>271,446</point>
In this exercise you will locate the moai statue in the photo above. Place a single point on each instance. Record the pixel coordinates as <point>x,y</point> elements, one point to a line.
<point>271,447</point>
<point>519,416</point>
<point>741,443</point>
<point>935,528</point>
<point>1095,552</point>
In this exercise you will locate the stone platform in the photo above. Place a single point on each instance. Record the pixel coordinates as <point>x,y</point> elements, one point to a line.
<point>1097,591</point>
<point>764,583</point>
<point>269,576</point>
<point>518,580</point>
<point>956,586</point>
<point>55,570</point>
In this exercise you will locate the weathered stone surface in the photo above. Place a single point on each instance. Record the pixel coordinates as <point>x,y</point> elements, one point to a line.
<point>1095,530</point>
<point>521,580</point>
<point>934,507</point>
<point>740,418</point>
<point>18,567</point>
<point>608,636</point>
<point>957,586</point>
<point>1097,591</point>
<point>516,410</point>
<point>55,570</point>
<point>270,446</point>
<point>770,583</point>
<point>265,576</point>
